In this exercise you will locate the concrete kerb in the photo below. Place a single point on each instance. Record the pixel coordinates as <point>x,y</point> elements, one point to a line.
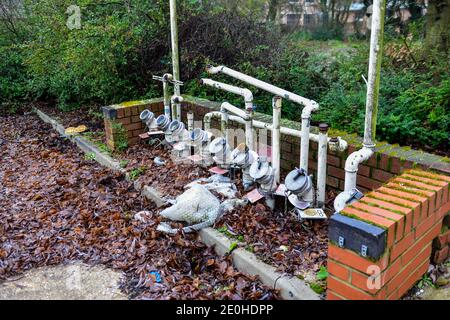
<point>291,288</point>
<point>85,145</point>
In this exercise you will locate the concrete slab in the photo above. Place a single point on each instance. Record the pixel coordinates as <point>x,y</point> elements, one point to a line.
<point>65,282</point>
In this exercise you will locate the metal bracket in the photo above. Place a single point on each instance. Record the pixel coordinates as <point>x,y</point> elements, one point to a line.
<point>158,78</point>
<point>341,241</point>
<point>364,250</point>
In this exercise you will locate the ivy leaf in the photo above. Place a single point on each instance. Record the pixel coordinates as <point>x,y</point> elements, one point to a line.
<point>322,274</point>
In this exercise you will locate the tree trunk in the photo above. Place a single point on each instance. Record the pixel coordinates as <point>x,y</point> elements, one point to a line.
<point>273,8</point>
<point>437,27</point>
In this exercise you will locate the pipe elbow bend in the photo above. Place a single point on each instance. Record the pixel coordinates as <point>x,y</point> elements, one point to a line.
<point>338,146</point>
<point>248,95</point>
<point>177,99</point>
<point>309,108</point>
<point>213,70</point>
<point>356,158</point>
<point>167,77</point>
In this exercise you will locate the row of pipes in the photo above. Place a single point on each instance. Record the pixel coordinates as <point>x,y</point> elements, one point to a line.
<point>255,168</point>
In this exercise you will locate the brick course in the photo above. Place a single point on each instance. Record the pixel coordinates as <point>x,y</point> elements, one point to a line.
<point>409,245</point>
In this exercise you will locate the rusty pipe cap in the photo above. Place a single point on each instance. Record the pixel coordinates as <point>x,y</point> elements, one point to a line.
<point>323,127</point>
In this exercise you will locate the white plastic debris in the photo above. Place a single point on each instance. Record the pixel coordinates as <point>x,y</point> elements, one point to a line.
<point>217,183</point>
<point>199,208</point>
<point>193,206</point>
<point>142,216</point>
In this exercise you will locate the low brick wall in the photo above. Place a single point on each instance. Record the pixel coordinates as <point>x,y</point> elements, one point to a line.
<point>405,217</point>
<point>124,119</point>
<point>387,162</point>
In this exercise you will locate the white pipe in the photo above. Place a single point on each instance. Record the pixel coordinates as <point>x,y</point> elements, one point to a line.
<point>304,144</point>
<point>312,105</point>
<point>207,119</point>
<point>373,81</point>
<point>322,165</point>
<point>239,112</point>
<point>175,54</point>
<point>340,145</point>
<point>352,164</point>
<point>309,105</point>
<point>247,115</point>
<point>247,94</point>
<point>276,105</point>
<point>224,123</point>
<point>166,77</point>
<point>190,121</point>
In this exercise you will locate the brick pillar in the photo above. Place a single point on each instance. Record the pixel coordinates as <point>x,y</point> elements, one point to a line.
<point>122,123</point>
<point>381,245</point>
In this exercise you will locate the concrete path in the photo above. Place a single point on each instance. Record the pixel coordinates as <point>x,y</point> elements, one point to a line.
<point>65,282</point>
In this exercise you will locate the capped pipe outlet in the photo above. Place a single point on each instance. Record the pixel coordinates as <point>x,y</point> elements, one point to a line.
<point>149,119</point>
<point>177,99</point>
<point>264,175</point>
<point>301,188</point>
<point>243,158</point>
<point>199,136</point>
<point>163,122</point>
<point>221,151</point>
<point>176,132</point>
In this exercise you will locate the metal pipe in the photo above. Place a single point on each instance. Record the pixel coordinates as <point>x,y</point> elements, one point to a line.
<point>247,115</point>
<point>175,54</point>
<point>207,119</point>
<point>166,78</point>
<point>224,123</point>
<point>190,121</point>
<point>276,154</point>
<point>229,107</point>
<point>312,105</point>
<point>247,94</point>
<point>373,84</point>
<point>322,165</point>
<point>309,105</point>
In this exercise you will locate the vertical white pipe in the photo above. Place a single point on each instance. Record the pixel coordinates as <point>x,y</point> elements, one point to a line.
<point>249,136</point>
<point>190,121</point>
<point>224,124</point>
<point>373,87</point>
<point>249,133</point>
<point>373,79</point>
<point>175,54</point>
<point>304,144</point>
<point>276,153</point>
<point>166,99</point>
<point>322,165</point>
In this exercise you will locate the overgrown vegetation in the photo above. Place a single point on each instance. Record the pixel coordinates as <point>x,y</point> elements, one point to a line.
<point>121,44</point>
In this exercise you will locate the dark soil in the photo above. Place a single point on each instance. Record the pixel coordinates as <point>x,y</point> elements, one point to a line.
<point>57,207</point>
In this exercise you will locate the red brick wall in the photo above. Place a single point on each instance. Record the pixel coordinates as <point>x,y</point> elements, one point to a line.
<point>127,116</point>
<point>411,208</point>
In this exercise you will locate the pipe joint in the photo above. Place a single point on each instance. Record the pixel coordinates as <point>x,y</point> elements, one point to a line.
<point>177,99</point>
<point>357,157</point>
<point>310,107</point>
<point>167,77</point>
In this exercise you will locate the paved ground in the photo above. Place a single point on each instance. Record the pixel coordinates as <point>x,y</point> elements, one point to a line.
<point>66,282</point>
